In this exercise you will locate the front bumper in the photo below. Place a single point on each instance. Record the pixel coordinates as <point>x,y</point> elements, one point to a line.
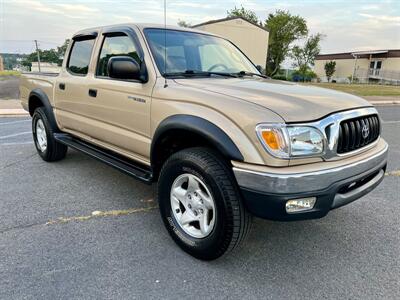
<point>265,193</point>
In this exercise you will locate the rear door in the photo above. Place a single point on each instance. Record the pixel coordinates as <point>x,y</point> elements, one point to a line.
<point>71,88</point>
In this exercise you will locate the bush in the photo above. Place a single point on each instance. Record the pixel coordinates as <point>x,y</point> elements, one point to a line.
<point>306,77</point>
<point>279,77</point>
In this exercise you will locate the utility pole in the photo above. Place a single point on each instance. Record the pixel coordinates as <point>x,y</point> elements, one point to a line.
<point>354,68</point>
<point>38,55</point>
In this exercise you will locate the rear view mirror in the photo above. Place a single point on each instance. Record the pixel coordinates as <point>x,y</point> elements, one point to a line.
<point>123,67</point>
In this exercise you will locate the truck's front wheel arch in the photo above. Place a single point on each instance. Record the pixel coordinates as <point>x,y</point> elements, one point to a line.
<point>180,132</point>
<point>34,103</point>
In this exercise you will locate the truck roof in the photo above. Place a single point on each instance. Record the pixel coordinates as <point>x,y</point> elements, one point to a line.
<point>140,26</point>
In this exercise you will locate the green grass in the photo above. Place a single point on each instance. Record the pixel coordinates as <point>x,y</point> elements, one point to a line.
<point>362,89</point>
<point>10,73</point>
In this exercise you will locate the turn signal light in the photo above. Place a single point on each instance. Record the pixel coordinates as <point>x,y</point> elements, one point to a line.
<point>271,139</point>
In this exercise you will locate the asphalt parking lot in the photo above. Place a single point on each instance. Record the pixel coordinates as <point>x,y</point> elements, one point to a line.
<point>9,87</point>
<point>52,246</point>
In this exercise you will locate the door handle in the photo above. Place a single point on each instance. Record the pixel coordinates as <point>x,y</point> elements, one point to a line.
<point>61,86</point>
<point>92,92</point>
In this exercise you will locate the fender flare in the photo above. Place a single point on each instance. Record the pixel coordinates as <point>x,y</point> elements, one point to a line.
<point>209,131</point>
<point>47,106</point>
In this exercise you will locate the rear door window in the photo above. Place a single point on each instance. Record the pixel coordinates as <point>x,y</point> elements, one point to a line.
<point>79,58</point>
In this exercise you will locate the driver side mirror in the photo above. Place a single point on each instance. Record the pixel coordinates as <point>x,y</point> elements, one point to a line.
<point>123,67</point>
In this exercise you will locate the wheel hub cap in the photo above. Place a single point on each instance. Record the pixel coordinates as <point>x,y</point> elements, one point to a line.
<point>193,205</point>
<point>41,136</point>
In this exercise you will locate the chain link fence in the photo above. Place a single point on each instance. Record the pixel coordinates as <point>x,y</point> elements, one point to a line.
<point>377,76</point>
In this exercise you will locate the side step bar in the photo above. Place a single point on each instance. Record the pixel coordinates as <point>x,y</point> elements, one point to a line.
<point>113,159</point>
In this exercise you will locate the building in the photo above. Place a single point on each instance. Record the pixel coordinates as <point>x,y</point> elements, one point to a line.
<point>45,67</point>
<point>379,66</point>
<point>251,38</point>
<point>20,68</point>
<point>1,64</point>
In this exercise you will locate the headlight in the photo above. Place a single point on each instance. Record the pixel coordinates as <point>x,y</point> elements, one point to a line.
<point>285,141</point>
<point>305,141</point>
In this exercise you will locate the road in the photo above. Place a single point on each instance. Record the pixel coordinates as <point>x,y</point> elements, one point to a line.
<point>52,247</point>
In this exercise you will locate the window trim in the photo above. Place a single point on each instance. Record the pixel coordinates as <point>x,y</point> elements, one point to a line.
<point>90,37</point>
<point>122,31</point>
<point>85,36</point>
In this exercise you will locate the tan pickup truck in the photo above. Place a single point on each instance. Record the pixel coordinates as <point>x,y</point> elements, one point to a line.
<point>189,110</point>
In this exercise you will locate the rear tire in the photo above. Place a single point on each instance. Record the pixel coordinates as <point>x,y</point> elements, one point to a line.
<point>216,186</point>
<point>47,147</point>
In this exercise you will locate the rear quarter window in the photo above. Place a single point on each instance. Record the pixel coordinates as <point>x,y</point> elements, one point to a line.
<point>79,57</point>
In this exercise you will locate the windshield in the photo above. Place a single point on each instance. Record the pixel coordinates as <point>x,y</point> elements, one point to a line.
<point>195,53</point>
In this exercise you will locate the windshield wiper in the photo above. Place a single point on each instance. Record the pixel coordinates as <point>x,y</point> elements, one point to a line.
<point>193,73</point>
<point>223,74</point>
<point>244,73</point>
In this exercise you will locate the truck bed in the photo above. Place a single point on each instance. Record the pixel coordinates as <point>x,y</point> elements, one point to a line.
<point>37,80</point>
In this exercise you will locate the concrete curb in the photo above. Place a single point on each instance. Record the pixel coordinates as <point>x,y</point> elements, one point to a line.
<point>13,112</point>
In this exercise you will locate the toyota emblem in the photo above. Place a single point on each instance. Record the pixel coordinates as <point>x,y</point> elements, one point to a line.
<point>365,131</point>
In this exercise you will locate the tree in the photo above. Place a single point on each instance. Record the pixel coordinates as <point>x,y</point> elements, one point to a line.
<point>304,56</point>
<point>63,48</point>
<point>284,29</point>
<point>330,69</point>
<point>247,14</point>
<point>50,56</point>
<point>183,23</point>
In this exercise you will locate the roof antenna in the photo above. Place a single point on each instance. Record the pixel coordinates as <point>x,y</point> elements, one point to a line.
<point>165,44</point>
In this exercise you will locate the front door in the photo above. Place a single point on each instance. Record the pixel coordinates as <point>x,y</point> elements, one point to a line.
<point>120,108</point>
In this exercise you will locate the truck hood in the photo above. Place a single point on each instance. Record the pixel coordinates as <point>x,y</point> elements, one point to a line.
<point>293,102</point>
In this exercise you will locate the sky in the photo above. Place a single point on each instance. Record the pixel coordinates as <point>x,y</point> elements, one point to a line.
<point>351,25</point>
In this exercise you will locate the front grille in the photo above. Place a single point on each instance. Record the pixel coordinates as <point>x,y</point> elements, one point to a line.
<point>357,133</point>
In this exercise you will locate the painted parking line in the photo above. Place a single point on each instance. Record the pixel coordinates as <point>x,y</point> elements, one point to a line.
<point>393,173</point>
<point>15,134</point>
<point>14,122</point>
<point>16,144</point>
<point>390,122</point>
<point>99,214</point>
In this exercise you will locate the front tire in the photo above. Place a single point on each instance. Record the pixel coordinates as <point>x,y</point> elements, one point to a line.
<point>200,203</point>
<point>47,147</point>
